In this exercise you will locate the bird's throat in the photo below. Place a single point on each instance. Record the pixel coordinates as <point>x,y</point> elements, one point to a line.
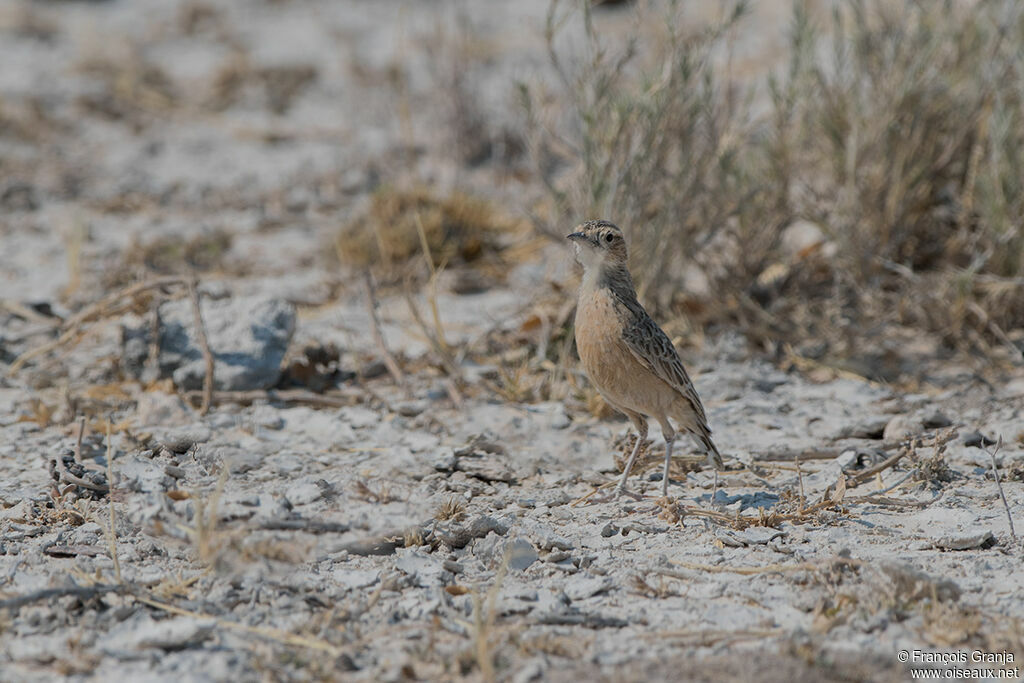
<point>603,275</point>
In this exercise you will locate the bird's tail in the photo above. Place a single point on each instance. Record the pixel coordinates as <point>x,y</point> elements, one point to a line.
<point>714,457</point>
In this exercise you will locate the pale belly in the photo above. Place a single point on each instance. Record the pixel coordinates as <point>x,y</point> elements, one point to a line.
<point>613,370</point>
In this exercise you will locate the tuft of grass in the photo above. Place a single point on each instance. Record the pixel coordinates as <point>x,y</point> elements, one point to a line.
<point>453,509</point>
<point>175,254</point>
<point>457,229</point>
<point>382,495</point>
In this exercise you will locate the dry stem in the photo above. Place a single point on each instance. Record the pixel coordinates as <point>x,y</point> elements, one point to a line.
<point>999,484</point>
<point>112,531</point>
<point>204,347</point>
<point>70,328</point>
<point>378,334</point>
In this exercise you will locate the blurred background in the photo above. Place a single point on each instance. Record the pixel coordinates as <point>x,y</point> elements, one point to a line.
<point>838,182</point>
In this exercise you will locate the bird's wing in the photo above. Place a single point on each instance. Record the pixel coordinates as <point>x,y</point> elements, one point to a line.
<point>654,350</point>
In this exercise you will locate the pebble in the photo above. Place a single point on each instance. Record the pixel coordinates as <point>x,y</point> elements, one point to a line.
<point>175,633</point>
<point>902,427</point>
<point>303,493</point>
<point>583,586</point>
<point>549,540</point>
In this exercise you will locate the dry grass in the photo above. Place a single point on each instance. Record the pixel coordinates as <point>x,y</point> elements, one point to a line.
<point>171,254</point>
<point>453,508</point>
<point>894,129</point>
<point>458,230</point>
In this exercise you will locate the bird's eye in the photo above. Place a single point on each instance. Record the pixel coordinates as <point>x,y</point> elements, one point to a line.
<point>608,237</point>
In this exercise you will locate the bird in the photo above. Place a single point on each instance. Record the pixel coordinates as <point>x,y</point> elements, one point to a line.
<point>628,358</point>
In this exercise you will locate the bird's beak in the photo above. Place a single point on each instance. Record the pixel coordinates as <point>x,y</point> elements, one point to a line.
<point>576,237</point>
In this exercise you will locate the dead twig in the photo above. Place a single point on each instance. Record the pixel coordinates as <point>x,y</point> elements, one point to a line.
<point>378,335</point>
<point>28,313</point>
<point>70,328</point>
<point>112,531</point>
<point>78,441</point>
<point>69,478</point>
<point>81,592</point>
<point>800,478</point>
<point>483,622</point>
<point>999,484</point>
<point>312,526</point>
<point>861,477</point>
<point>750,571</point>
<point>282,396</point>
<point>204,347</point>
<point>276,634</point>
<point>789,454</point>
<point>440,349</point>
<point>707,638</point>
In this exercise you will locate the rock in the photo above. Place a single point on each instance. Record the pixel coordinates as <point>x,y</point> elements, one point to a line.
<point>936,420</point>
<point>303,493</point>
<point>142,474</point>
<point>445,462</point>
<point>977,440</point>
<point>983,539</point>
<point>238,460</point>
<point>533,670</point>
<point>459,536</point>
<point>847,460</point>
<point>182,440</point>
<point>411,408</point>
<point>902,427</point>
<point>488,468</point>
<point>867,428</point>
<point>493,550</point>
<point>248,337</point>
<point>520,554</point>
<point>425,569</point>
<point>801,235</point>
<point>353,579</point>
<point>22,512</point>
<point>358,417</point>
<point>483,459</point>
<point>176,633</point>
<point>267,417</point>
<point>583,586</point>
<point>549,540</point>
<point>759,535</point>
<point>156,408</point>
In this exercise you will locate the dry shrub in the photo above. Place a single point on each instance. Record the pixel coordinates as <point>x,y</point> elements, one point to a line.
<point>458,57</point>
<point>896,130</point>
<point>648,139</point>
<point>176,254</point>
<point>459,230</point>
<point>276,87</point>
<point>132,88</point>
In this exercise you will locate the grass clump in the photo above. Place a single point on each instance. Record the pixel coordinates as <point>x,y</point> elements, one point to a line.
<point>458,229</point>
<point>893,131</point>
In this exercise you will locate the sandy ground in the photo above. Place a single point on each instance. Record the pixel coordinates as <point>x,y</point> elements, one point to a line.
<point>398,534</point>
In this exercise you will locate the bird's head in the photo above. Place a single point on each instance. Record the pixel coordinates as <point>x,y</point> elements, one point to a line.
<point>599,244</point>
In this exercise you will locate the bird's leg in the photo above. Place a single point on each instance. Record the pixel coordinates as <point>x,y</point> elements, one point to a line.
<point>621,488</point>
<point>670,438</point>
<point>668,458</point>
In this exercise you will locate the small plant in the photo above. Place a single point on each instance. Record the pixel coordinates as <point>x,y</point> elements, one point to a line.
<point>452,509</point>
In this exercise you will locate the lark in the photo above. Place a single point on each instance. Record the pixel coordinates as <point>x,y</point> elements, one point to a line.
<point>628,358</point>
